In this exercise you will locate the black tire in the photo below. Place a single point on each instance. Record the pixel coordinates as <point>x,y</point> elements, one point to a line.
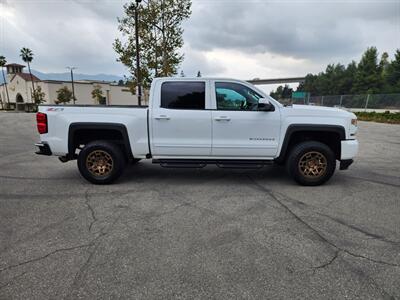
<point>311,163</point>
<point>104,169</point>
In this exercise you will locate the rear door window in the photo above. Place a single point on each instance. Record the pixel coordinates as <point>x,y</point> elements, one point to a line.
<point>183,95</point>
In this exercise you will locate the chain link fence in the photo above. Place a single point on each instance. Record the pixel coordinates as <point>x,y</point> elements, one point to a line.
<point>367,101</point>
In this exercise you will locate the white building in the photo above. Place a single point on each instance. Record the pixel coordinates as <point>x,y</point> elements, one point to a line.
<point>20,90</point>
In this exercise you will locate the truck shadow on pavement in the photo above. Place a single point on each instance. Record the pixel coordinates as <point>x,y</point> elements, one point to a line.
<point>147,172</point>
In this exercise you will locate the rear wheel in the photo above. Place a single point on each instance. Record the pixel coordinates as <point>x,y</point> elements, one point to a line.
<point>101,162</point>
<point>311,163</point>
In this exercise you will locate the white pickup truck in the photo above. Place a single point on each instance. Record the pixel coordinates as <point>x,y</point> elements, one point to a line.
<point>200,121</point>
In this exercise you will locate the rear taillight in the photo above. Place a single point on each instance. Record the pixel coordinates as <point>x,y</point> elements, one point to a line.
<point>41,120</point>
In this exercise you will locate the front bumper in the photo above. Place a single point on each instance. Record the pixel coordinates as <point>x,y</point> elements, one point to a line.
<point>349,149</point>
<point>44,149</point>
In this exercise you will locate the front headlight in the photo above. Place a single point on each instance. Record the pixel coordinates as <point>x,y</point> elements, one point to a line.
<point>353,128</point>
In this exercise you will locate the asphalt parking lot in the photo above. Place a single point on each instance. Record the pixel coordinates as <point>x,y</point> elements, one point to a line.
<point>188,233</point>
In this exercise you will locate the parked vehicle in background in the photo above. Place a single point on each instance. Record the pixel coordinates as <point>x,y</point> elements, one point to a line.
<point>200,121</point>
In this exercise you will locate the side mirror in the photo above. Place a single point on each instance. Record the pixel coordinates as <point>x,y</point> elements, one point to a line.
<point>265,105</point>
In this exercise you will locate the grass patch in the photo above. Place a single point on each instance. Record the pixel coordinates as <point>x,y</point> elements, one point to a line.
<point>386,117</point>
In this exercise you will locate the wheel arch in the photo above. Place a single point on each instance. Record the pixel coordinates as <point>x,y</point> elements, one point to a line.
<point>327,134</point>
<point>84,132</point>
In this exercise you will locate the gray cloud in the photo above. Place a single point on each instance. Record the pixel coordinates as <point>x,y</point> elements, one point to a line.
<point>62,33</point>
<point>302,29</point>
<point>196,61</point>
<point>313,33</point>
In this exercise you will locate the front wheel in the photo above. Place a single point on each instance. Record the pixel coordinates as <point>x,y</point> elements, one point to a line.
<point>311,163</point>
<point>101,162</point>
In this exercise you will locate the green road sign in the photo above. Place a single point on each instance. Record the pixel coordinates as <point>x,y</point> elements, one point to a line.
<point>297,95</point>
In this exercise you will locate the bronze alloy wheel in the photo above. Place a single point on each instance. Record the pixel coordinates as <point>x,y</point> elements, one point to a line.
<point>99,163</point>
<point>313,164</point>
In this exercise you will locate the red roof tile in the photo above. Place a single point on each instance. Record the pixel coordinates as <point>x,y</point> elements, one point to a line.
<point>27,77</point>
<point>14,65</point>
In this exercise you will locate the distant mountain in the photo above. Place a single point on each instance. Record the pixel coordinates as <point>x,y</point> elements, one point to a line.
<point>77,76</point>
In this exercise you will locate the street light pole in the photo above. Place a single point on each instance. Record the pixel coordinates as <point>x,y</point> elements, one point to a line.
<point>138,79</point>
<point>72,82</point>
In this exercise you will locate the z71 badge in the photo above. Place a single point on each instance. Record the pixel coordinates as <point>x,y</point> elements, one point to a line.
<point>261,139</point>
<point>55,109</point>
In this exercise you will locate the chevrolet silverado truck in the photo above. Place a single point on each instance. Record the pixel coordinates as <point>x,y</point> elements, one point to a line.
<point>196,122</point>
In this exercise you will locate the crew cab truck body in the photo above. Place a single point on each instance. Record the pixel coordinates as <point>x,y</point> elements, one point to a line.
<point>199,121</point>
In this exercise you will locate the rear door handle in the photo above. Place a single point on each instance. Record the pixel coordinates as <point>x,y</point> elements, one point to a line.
<point>162,117</point>
<point>222,118</point>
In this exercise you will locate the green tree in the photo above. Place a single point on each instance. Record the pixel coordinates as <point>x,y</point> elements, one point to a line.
<point>392,74</point>
<point>282,92</point>
<point>335,80</point>
<point>368,75</point>
<point>384,62</point>
<point>348,78</point>
<point>277,94</point>
<point>309,85</point>
<point>97,94</point>
<point>3,62</point>
<point>64,95</point>
<point>27,56</point>
<point>160,35</point>
<point>39,95</point>
<point>287,92</point>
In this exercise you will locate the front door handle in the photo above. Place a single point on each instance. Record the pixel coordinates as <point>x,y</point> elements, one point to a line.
<point>162,117</point>
<point>222,118</point>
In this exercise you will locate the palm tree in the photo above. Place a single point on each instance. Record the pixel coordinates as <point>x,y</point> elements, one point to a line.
<point>3,62</point>
<point>27,56</point>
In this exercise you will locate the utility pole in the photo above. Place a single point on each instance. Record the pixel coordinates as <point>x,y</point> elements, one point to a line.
<point>138,79</point>
<point>5,85</point>
<point>72,82</point>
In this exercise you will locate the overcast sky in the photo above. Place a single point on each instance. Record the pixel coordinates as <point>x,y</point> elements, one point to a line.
<point>234,38</point>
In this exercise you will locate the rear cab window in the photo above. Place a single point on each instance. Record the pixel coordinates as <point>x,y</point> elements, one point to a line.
<point>189,95</point>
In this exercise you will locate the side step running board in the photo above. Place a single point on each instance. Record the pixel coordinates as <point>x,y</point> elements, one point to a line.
<point>240,165</point>
<point>180,163</point>
<point>225,163</point>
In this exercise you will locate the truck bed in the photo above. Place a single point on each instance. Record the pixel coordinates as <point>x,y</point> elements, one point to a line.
<point>61,117</point>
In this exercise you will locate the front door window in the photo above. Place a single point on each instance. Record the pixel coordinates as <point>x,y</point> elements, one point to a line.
<point>234,96</point>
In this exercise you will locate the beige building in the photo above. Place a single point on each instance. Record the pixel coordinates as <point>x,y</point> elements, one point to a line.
<point>20,90</point>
